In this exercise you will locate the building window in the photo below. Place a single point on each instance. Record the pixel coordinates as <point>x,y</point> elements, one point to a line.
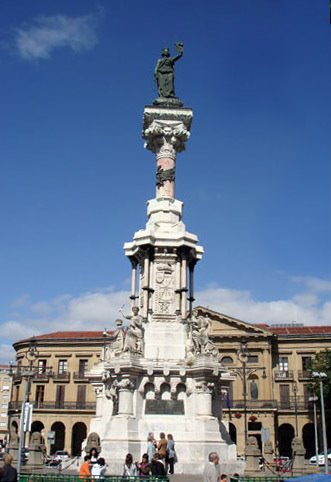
<point>82,367</point>
<point>42,366</point>
<point>17,393</point>
<point>40,393</point>
<point>81,396</point>
<point>253,359</point>
<point>283,365</point>
<point>5,395</point>
<point>3,424</point>
<point>59,401</point>
<point>4,405</point>
<point>306,364</point>
<point>284,392</point>
<point>63,366</point>
<point>227,360</point>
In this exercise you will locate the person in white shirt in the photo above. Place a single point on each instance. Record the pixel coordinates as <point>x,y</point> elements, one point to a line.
<point>212,470</point>
<point>99,468</point>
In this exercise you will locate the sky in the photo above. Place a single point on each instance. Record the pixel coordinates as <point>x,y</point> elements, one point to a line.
<point>75,177</point>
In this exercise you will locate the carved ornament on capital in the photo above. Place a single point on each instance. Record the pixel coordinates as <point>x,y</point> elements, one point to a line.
<point>166,138</point>
<point>205,387</point>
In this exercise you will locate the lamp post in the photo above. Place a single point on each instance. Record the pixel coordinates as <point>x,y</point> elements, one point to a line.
<point>27,373</point>
<point>314,399</point>
<point>321,376</point>
<point>295,391</point>
<point>244,373</point>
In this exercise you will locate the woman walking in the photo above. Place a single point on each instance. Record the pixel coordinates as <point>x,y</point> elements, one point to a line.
<point>171,453</point>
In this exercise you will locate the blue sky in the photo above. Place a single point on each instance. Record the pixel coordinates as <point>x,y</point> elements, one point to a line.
<point>255,177</point>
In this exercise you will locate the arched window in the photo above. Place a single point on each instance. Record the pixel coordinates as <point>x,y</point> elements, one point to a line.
<point>165,391</point>
<point>227,360</point>
<point>149,391</point>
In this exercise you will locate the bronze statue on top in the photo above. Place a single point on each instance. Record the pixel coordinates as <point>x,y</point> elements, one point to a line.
<point>164,75</point>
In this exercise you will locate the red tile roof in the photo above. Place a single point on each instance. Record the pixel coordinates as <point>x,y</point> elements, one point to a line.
<point>297,330</point>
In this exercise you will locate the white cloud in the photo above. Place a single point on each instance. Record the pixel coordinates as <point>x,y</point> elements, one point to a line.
<point>98,309</point>
<point>304,307</point>
<point>44,34</point>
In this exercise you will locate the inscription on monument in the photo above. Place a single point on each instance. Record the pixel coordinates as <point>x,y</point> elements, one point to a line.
<point>164,407</point>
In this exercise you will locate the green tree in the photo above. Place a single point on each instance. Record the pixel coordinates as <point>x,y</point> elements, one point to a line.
<point>322,363</point>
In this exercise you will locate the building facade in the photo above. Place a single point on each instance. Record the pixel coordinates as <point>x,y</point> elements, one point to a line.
<point>5,390</point>
<point>269,398</point>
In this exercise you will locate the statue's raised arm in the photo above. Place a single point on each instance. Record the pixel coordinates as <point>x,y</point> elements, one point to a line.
<point>164,73</point>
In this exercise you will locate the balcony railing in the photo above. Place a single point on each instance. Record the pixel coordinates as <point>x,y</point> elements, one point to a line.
<point>284,375</point>
<point>61,376</point>
<point>57,405</point>
<point>301,403</point>
<point>80,376</point>
<point>253,404</point>
<point>304,374</point>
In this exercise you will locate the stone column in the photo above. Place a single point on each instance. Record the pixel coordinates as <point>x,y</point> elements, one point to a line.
<point>166,130</point>
<point>204,399</point>
<point>146,286</point>
<point>133,282</point>
<point>125,397</point>
<point>298,456</point>
<point>252,456</point>
<point>183,286</point>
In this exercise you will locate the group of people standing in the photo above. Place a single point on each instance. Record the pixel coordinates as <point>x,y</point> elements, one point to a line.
<point>159,460</point>
<point>93,466</point>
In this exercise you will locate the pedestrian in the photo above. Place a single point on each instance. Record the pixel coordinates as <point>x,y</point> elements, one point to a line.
<point>129,467</point>
<point>85,469</point>
<point>224,478</point>
<point>171,453</point>
<point>94,455</point>
<point>8,473</point>
<point>157,467</point>
<point>144,467</point>
<point>162,446</point>
<point>151,446</point>
<point>211,472</point>
<point>99,468</point>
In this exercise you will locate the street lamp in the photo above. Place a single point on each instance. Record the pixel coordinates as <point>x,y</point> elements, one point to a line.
<point>28,372</point>
<point>244,373</point>
<point>314,399</point>
<point>295,391</point>
<point>321,376</point>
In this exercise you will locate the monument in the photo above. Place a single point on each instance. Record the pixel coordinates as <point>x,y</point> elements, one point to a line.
<point>162,374</point>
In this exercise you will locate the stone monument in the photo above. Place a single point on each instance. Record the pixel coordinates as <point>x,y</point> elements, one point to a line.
<point>162,374</point>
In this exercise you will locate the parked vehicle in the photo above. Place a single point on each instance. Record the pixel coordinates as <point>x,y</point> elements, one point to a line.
<point>312,460</point>
<point>61,455</point>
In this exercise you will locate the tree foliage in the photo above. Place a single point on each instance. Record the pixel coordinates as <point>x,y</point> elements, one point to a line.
<point>322,363</point>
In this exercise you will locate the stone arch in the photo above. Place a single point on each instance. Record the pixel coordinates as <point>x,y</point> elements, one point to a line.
<point>13,431</point>
<point>308,437</point>
<point>37,426</point>
<point>60,431</point>
<point>78,435</point>
<point>149,391</point>
<point>285,437</point>
<point>165,392</point>
<point>181,391</point>
<point>233,432</point>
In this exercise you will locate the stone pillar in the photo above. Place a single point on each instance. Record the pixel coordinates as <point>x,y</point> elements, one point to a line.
<point>204,399</point>
<point>146,286</point>
<point>252,456</point>
<point>183,286</point>
<point>268,454</point>
<point>133,282</point>
<point>298,455</point>
<point>125,397</point>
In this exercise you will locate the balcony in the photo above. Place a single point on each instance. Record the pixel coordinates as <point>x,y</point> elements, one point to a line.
<point>81,376</point>
<point>253,404</point>
<point>55,405</point>
<point>304,374</point>
<point>283,375</point>
<point>301,403</point>
<point>61,376</point>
